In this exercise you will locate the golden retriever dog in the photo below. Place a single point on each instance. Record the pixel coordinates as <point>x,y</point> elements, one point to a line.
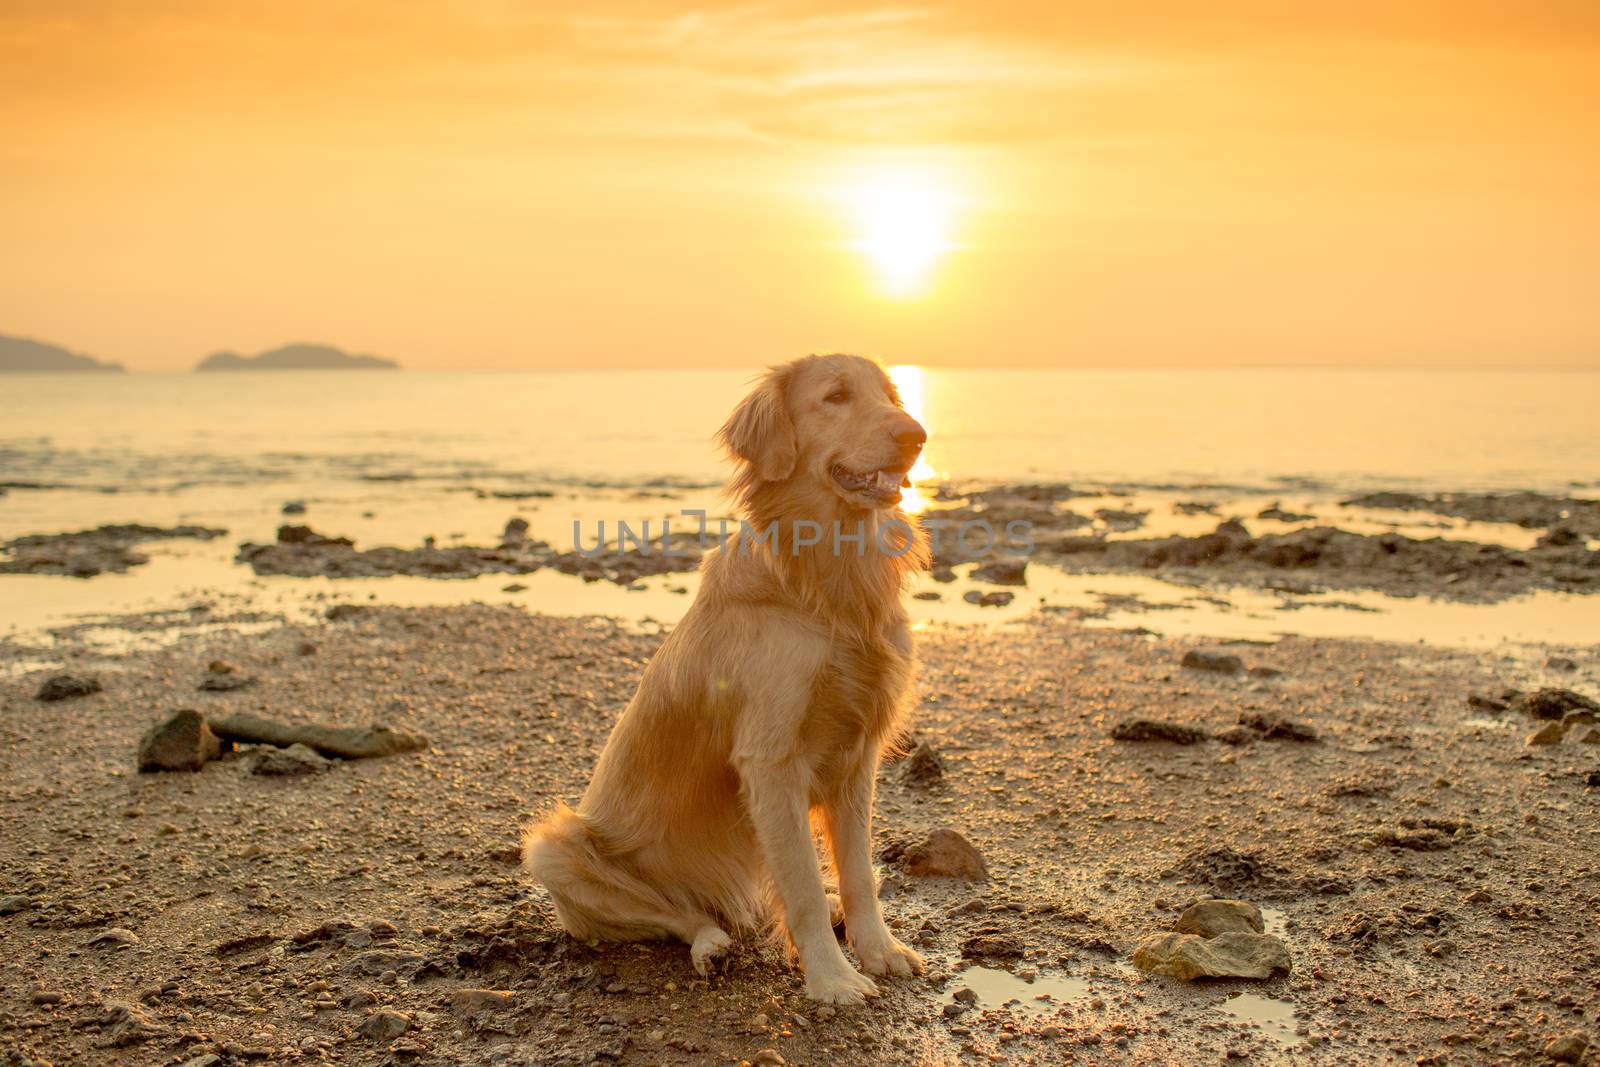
<point>769,703</point>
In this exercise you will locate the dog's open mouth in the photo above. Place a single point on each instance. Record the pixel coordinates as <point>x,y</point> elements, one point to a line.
<point>884,484</point>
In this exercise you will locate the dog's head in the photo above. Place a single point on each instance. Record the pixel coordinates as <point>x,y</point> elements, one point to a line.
<point>825,423</point>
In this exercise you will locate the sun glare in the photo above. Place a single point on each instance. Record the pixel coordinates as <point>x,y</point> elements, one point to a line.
<point>902,219</point>
<point>909,379</point>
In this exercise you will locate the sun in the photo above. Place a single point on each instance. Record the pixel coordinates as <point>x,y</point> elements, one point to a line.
<point>903,222</point>
<point>910,382</point>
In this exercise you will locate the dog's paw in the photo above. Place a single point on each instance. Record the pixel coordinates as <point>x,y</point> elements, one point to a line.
<point>835,911</point>
<point>709,945</point>
<point>883,953</point>
<point>839,983</point>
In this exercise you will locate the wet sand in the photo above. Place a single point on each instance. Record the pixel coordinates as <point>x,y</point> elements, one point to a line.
<point>1433,875</point>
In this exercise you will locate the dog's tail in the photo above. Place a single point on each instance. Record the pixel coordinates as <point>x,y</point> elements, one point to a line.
<point>601,895</point>
<point>595,897</point>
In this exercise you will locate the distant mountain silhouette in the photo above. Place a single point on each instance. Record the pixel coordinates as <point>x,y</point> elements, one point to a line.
<point>296,357</point>
<point>20,354</point>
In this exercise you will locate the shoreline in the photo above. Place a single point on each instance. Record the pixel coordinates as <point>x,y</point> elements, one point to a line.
<point>1476,570</point>
<point>390,883</point>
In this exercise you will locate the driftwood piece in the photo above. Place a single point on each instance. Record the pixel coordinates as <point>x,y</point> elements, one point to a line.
<point>344,742</point>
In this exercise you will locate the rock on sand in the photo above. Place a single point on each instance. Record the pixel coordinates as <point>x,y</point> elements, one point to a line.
<point>1229,955</point>
<point>288,762</point>
<point>945,854</point>
<point>66,686</point>
<point>182,743</point>
<point>1203,659</point>
<point>1212,917</point>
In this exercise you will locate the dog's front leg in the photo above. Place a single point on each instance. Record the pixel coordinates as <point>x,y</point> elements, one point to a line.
<point>776,796</point>
<point>849,817</point>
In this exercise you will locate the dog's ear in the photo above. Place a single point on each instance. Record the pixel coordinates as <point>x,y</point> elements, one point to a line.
<point>760,432</point>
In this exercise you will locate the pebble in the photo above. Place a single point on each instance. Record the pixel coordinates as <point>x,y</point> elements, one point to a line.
<point>769,1057</point>
<point>384,1025</point>
<point>117,936</point>
<point>469,1001</point>
<point>10,905</point>
<point>224,677</point>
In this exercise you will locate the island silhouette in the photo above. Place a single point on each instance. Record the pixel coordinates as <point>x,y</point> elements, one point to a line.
<point>300,356</point>
<point>20,354</point>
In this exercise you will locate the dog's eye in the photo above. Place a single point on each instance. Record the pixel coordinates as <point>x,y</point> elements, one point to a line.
<point>838,396</point>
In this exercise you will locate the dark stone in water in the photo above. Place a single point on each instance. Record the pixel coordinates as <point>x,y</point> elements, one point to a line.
<point>1002,572</point>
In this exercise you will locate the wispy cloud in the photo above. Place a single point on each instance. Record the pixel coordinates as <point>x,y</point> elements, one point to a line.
<point>888,75</point>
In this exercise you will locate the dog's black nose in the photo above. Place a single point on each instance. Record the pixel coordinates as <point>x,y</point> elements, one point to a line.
<point>911,434</point>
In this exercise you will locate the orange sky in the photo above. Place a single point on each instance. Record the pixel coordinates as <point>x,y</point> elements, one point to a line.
<point>495,184</point>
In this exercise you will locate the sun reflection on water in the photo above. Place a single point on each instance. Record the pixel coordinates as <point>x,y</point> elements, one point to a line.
<point>911,381</point>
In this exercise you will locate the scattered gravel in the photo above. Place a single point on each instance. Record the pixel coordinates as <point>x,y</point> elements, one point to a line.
<point>1431,876</point>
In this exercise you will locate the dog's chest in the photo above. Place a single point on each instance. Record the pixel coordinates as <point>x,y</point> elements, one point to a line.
<point>861,691</point>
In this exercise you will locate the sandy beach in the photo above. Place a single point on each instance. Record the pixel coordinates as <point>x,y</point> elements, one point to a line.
<point>1431,872</point>
<point>451,456</point>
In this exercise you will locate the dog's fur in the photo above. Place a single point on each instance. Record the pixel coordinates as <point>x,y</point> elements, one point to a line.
<point>771,701</point>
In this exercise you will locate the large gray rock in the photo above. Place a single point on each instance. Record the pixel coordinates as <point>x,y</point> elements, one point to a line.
<point>182,743</point>
<point>1213,916</point>
<point>1230,955</point>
